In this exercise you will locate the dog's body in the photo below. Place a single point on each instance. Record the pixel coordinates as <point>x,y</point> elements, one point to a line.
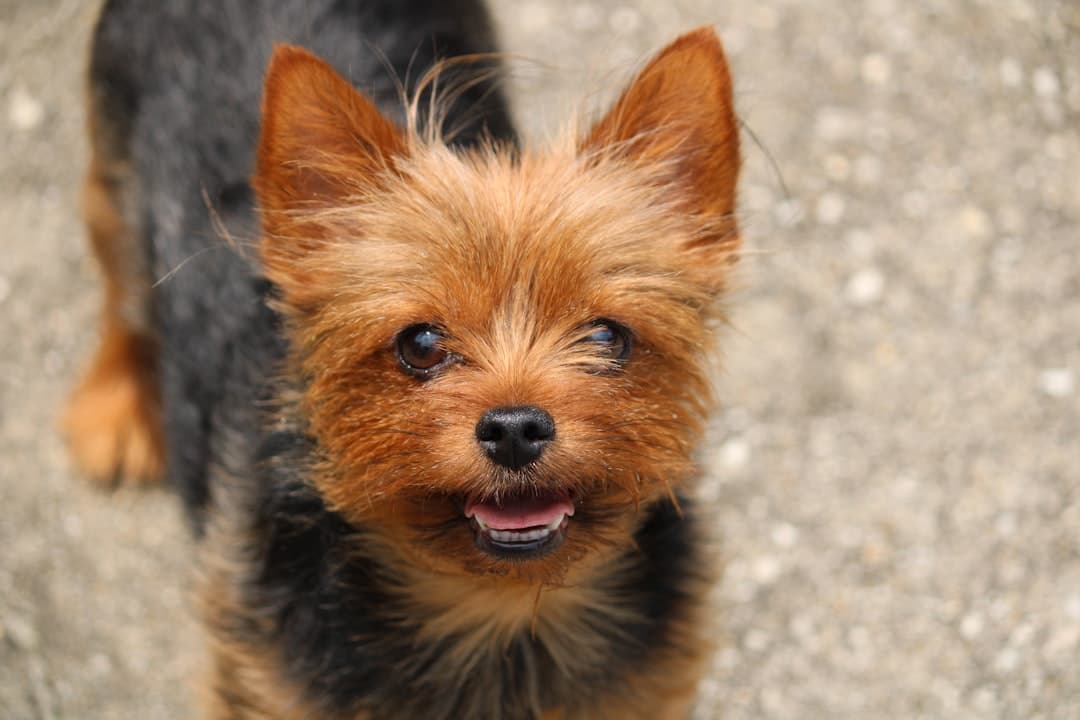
<point>343,494</point>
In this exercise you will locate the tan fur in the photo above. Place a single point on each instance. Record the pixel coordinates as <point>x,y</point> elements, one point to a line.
<point>112,422</point>
<point>486,615</point>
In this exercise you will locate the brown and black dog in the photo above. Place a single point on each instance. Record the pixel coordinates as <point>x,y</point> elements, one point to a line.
<point>434,424</point>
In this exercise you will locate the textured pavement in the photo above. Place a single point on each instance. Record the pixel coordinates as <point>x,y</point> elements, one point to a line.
<point>895,475</point>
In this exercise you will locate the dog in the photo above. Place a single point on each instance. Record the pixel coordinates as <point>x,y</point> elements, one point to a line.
<point>430,399</point>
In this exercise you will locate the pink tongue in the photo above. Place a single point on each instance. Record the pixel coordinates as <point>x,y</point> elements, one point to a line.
<point>518,514</point>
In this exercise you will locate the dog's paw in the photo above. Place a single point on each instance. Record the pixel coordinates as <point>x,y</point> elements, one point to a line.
<point>112,422</point>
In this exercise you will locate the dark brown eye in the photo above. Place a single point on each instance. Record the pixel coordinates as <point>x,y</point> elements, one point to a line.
<point>420,350</point>
<point>611,339</point>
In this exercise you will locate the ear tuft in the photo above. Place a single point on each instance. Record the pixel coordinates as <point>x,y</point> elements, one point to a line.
<point>323,144</point>
<point>321,139</point>
<point>679,113</point>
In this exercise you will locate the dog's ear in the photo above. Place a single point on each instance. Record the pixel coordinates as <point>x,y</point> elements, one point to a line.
<point>678,116</point>
<point>321,140</point>
<point>323,145</point>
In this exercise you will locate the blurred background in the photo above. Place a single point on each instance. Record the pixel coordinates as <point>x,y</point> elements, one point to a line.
<point>895,473</point>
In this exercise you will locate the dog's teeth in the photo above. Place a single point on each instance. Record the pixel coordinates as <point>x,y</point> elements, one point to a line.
<point>554,524</point>
<point>520,536</point>
<point>516,536</point>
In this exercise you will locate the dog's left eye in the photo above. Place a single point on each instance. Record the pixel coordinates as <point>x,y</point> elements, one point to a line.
<point>611,339</point>
<point>420,350</point>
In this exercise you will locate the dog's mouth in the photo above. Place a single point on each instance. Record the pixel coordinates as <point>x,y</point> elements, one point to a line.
<point>520,528</point>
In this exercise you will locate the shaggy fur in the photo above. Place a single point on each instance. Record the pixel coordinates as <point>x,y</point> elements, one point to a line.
<point>342,579</point>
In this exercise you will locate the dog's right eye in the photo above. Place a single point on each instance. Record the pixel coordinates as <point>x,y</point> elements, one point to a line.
<point>611,340</point>
<point>420,350</point>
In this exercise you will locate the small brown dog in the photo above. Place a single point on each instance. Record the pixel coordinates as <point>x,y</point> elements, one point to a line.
<point>436,434</point>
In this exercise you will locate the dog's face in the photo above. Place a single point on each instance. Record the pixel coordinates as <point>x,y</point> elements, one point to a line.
<point>503,355</point>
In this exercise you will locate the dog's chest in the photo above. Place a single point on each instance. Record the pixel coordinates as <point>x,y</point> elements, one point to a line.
<point>495,661</point>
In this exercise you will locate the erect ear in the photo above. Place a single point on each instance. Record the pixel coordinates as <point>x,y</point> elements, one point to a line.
<point>678,115</point>
<point>322,141</point>
<point>322,145</point>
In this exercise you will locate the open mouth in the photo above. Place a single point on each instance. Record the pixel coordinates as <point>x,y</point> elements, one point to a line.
<point>521,528</point>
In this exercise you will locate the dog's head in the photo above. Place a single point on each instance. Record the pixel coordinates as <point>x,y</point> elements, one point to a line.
<point>503,354</point>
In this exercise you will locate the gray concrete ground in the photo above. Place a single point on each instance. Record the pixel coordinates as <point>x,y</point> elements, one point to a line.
<point>896,473</point>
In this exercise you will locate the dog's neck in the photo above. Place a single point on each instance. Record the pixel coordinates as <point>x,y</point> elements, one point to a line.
<point>406,639</point>
<point>488,613</point>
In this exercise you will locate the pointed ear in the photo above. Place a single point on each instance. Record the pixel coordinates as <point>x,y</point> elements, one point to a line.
<point>321,142</point>
<point>322,145</point>
<point>678,114</point>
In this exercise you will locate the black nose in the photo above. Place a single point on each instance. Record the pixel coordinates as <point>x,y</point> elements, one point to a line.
<point>515,436</point>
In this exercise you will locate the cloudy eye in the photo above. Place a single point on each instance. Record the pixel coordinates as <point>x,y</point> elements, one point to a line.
<point>611,339</point>
<point>420,350</point>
